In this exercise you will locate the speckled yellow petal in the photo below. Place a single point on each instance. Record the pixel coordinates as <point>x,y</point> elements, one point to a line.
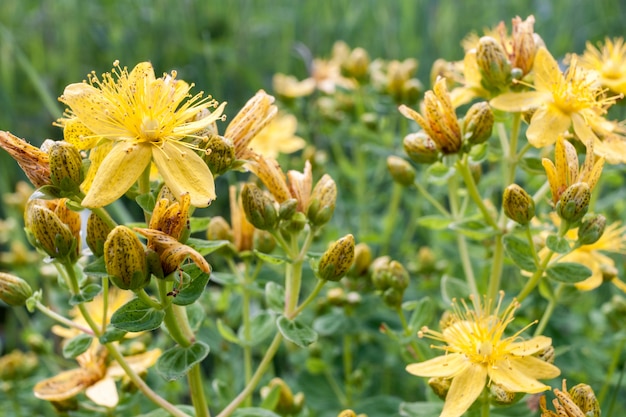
<point>550,169</point>
<point>464,390</point>
<point>546,125</point>
<point>118,172</point>
<point>185,172</point>
<point>530,347</point>
<point>561,162</point>
<point>514,374</point>
<point>79,135</point>
<point>442,366</point>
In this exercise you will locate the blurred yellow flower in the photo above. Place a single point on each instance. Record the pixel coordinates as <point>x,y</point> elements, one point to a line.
<point>609,60</point>
<point>142,119</point>
<point>289,86</point>
<point>478,354</point>
<point>573,99</point>
<point>279,136</point>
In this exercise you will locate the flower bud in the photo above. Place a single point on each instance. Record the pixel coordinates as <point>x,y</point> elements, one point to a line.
<point>336,296</point>
<point>574,202</point>
<point>14,290</point>
<point>347,413</point>
<point>66,166</point>
<point>399,277</point>
<point>380,272</point>
<point>478,123</point>
<point>287,404</point>
<point>287,209</point>
<point>426,261</point>
<point>34,162</point>
<point>518,204</point>
<point>584,397</point>
<point>362,259</point>
<point>547,354</point>
<point>219,229</point>
<point>17,365</point>
<point>420,148</point>
<point>392,297</point>
<point>259,208</point>
<point>264,242</point>
<point>337,259</point>
<point>493,63</point>
<point>220,154</point>
<point>125,259</point>
<point>440,386</point>
<point>500,395</point>
<point>357,64</point>
<point>401,171</point>
<point>47,231</point>
<point>591,229</point>
<point>97,232</point>
<point>323,200</point>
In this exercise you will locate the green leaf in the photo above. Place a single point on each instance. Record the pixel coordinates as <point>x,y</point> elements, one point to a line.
<point>174,363</point>
<point>192,291</point>
<point>77,345</point>
<point>270,399</point>
<point>296,332</point>
<point>224,278</point>
<point>558,244</point>
<point>423,312</point>
<point>199,224</point>
<point>87,293</point>
<point>568,272</point>
<point>227,333</point>
<point>196,315</point>
<point>146,202</point>
<point>474,229</point>
<point>205,247</point>
<point>452,288</point>
<point>331,323</point>
<point>254,412</point>
<point>96,268</point>
<point>137,316</point>
<point>275,296</point>
<point>270,259</point>
<point>532,165</point>
<point>262,326</point>
<point>438,173</point>
<point>520,252</point>
<point>434,222</point>
<point>112,334</point>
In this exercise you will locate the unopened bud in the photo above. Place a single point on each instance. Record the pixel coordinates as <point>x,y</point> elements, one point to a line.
<point>478,123</point>
<point>574,202</point>
<point>47,231</point>
<point>66,166</point>
<point>401,171</point>
<point>219,229</point>
<point>362,259</point>
<point>287,209</point>
<point>393,297</point>
<point>14,290</point>
<point>591,229</point>
<point>264,242</point>
<point>336,296</point>
<point>357,64</point>
<point>347,413</point>
<point>259,208</point>
<point>323,200</point>
<point>500,395</point>
<point>97,232</point>
<point>426,261</point>
<point>493,63</point>
<point>420,148</point>
<point>518,204</point>
<point>17,365</point>
<point>584,397</point>
<point>125,259</point>
<point>440,386</point>
<point>220,154</point>
<point>399,277</point>
<point>380,272</point>
<point>337,259</point>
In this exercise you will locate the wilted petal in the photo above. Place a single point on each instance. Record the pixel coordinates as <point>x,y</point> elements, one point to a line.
<point>465,389</point>
<point>445,366</point>
<point>65,385</point>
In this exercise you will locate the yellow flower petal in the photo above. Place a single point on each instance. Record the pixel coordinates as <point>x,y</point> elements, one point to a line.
<point>464,390</point>
<point>185,172</point>
<point>530,347</point>
<point>619,284</point>
<point>79,135</point>
<point>582,129</point>
<point>553,180</point>
<point>534,367</point>
<point>546,125</point>
<point>139,363</point>
<point>442,366</point>
<point>546,69</point>
<point>523,101</point>
<point>104,393</point>
<point>65,385</point>
<point>119,170</point>
<point>513,374</point>
<point>96,156</point>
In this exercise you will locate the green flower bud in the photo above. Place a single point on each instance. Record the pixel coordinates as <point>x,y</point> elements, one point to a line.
<point>14,290</point>
<point>125,259</point>
<point>219,229</point>
<point>259,208</point>
<point>401,171</point>
<point>362,259</point>
<point>337,260</point>
<point>494,65</point>
<point>478,123</point>
<point>97,232</point>
<point>264,242</point>
<point>323,199</point>
<point>574,202</point>
<point>591,229</point>
<point>380,273</point>
<point>47,231</point>
<point>440,386</point>
<point>287,209</point>
<point>220,154</point>
<point>584,397</point>
<point>66,166</point>
<point>518,204</point>
<point>295,224</point>
<point>393,297</point>
<point>420,148</point>
<point>399,277</point>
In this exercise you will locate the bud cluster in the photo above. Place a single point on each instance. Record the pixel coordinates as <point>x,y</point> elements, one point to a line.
<point>391,279</point>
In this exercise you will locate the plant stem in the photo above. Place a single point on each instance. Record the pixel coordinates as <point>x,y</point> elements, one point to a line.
<point>485,406</point>
<point>497,264</point>
<point>617,353</point>
<point>311,297</point>
<point>463,168</point>
<point>392,216</point>
<point>63,320</point>
<point>347,368</point>
<point>545,318</point>
<point>534,280</point>
<point>432,200</point>
<point>407,332</point>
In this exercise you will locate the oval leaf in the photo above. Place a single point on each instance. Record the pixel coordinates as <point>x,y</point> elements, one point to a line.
<point>275,296</point>
<point>262,326</point>
<point>331,323</point>
<point>558,244</point>
<point>192,291</point>
<point>174,363</point>
<point>434,222</point>
<point>112,334</point>
<point>568,272</point>
<point>423,313</point>
<point>137,316</point>
<point>270,259</point>
<point>227,333</point>
<point>77,345</point>
<point>520,253</point>
<point>474,229</point>
<point>205,247</point>
<point>86,294</point>
<point>296,332</point>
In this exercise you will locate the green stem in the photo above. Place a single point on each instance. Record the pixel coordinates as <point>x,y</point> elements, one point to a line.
<point>617,353</point>
<point>485,406</point>
<point>63,320</point>
<point>293,278</point>
<point>334,386</point>
<point>534,280</point>
<point>432,200</point>
<point>545,318</point>
<point>392,216</point>
<point>463,168</point>
<point>196,388</point>
<point>497,264</point>
<point>311,297</point>
<point>143,296</point>
<point>417,352</point>
<point>531,242</point>
<point>511,159</point>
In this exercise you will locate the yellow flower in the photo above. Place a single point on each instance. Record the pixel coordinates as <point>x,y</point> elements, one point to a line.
<point>279,136</point>
<point>478,354</point>
<point>609,60</point>
<point>290,87</point>
<point>565,172</point>
<point>560,101</point>
<point>142,119</point>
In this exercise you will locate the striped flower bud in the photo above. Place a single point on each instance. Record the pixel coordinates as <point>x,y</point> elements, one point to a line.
<point>125,259</point>
<point>362,259</point>
<point>380,273</point>
<point>440,386</point>
<point>494,64</point>
<point>401,170</point>
<point>322,203</point>
<point>574,202</point>
<point>66,166</point>
<point>591,229</point>
<point>478,123</point>
<point>220,154</point>
<point>337,259</point>
<point>14,290</point>
<point>518,204</point>
<point>97,232</point>
<point>500,395</point>
<point>584,397</point>
<point>53,228</point>
<point>259,207</point>
<point>420,148</point>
